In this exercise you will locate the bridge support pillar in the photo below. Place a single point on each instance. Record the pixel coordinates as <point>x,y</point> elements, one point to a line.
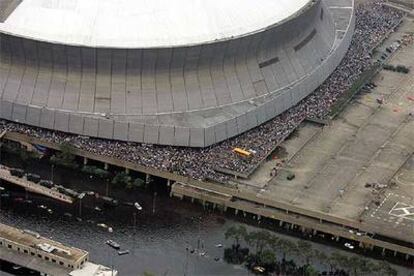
<point>337,238</point>
<point>314,232</point>
<point>168,182</point>
<point>383,252</point>
<point>106,166</point>
<point>236,211</point>
<point>126,170</point>
<point>280,223</point>
<point>85,161</point>
<point>407,256</point>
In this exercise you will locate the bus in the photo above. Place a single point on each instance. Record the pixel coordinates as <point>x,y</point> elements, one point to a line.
<point>242,152</point>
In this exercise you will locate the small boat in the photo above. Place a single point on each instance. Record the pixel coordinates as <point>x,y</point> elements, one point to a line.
<point>123,252</point>
<point>113,244</point>
<point>259,269</point>
<point>137,206</point>
<point>103,225</point>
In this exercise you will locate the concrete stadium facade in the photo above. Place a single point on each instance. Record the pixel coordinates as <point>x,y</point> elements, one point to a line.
<point>186,95</point>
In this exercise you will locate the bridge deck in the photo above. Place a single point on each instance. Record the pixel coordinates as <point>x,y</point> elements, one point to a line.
<point>33,187</point>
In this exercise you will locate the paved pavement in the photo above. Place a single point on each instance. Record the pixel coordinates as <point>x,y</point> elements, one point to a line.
<point>368,143</point>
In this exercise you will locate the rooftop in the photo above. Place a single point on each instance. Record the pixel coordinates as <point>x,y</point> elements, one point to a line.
<point>143,23</point>
<point>34,240</point>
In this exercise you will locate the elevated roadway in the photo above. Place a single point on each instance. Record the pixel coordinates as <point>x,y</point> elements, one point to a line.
<point>33,187</point>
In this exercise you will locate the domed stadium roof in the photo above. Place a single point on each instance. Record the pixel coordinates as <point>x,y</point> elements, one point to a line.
<point>144,23</point>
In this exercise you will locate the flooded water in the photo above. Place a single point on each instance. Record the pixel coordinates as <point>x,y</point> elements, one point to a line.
<point>157,237</point>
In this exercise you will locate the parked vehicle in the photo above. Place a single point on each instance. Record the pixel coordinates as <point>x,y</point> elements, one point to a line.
<point>17,172</point>
<point>46,183</point>
<point>70,192</point>
<point>33,177</point>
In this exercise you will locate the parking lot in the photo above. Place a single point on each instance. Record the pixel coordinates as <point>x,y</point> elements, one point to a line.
<point>359,167</point>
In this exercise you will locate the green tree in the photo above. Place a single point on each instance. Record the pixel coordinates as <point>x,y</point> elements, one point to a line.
<point>311,271</point>
<point>236,233</point>
<point>25,156</point>
<point>267,258</point>
<point>322,258</point>
<point>354,265</point>
<point>258,240</point>
<point>384,268</point>
<point>98,172</point>
<point>65,157</point>
<point>305,250</point>
<point>339,260</point>
<point>121,179</point>
<point>287,247</point>
<point>138,182</point>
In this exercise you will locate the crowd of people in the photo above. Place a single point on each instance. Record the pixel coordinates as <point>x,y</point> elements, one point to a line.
<point>373,21</point>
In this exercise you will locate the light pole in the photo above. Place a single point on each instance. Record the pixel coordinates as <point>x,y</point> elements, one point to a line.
<point>110,230</point>
<point>80,197</point>
<point>153,202</point>
<point>138,207</point>
<point>1,190</point>
<point>52,172</point>
<point>1,146</point>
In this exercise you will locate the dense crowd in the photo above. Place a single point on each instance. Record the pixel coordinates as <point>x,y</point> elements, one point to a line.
<point>373,21</point>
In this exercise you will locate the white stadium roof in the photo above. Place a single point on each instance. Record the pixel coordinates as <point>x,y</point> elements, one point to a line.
<point>144,23</point>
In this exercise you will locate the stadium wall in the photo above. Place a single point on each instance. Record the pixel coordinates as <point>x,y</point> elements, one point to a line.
<point>189,96</point>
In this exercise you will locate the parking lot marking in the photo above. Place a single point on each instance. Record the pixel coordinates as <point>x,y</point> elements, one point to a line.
<point>402,211</point>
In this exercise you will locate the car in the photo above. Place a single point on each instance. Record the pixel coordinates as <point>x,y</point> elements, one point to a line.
<point>46,183</point>
<point>18,199</point>
<point>17,172</point>
<point>33,177</point>
<point>113,244</point>
<point>90,193</point>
